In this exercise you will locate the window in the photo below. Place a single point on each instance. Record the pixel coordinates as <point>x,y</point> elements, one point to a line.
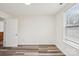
<point>72,26</point>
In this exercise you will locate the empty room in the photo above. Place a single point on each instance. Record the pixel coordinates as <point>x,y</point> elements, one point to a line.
<point>39,29</point>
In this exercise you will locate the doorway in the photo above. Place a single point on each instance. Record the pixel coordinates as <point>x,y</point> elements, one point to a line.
<point>1,32</point>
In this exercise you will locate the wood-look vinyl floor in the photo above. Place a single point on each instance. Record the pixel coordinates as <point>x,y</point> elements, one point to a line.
<point>31,50</point>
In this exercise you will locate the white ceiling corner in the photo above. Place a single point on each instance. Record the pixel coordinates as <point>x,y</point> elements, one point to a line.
<point>21,9</point>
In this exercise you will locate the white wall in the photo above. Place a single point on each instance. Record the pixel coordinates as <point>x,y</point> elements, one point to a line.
<point>37,30</point>
<point>1,26</point>
<point>65,48</point>
<point>9,25</point>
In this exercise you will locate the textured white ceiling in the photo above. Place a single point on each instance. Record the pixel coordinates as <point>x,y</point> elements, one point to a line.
<point>21,9</point>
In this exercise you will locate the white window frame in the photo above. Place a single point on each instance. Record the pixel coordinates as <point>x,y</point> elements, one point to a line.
<point>69,40</point>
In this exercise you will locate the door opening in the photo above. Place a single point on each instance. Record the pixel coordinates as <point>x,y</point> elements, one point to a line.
<point>1,32</point>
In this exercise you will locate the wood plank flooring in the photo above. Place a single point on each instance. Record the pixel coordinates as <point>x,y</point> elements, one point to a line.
<point>31,50</point>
